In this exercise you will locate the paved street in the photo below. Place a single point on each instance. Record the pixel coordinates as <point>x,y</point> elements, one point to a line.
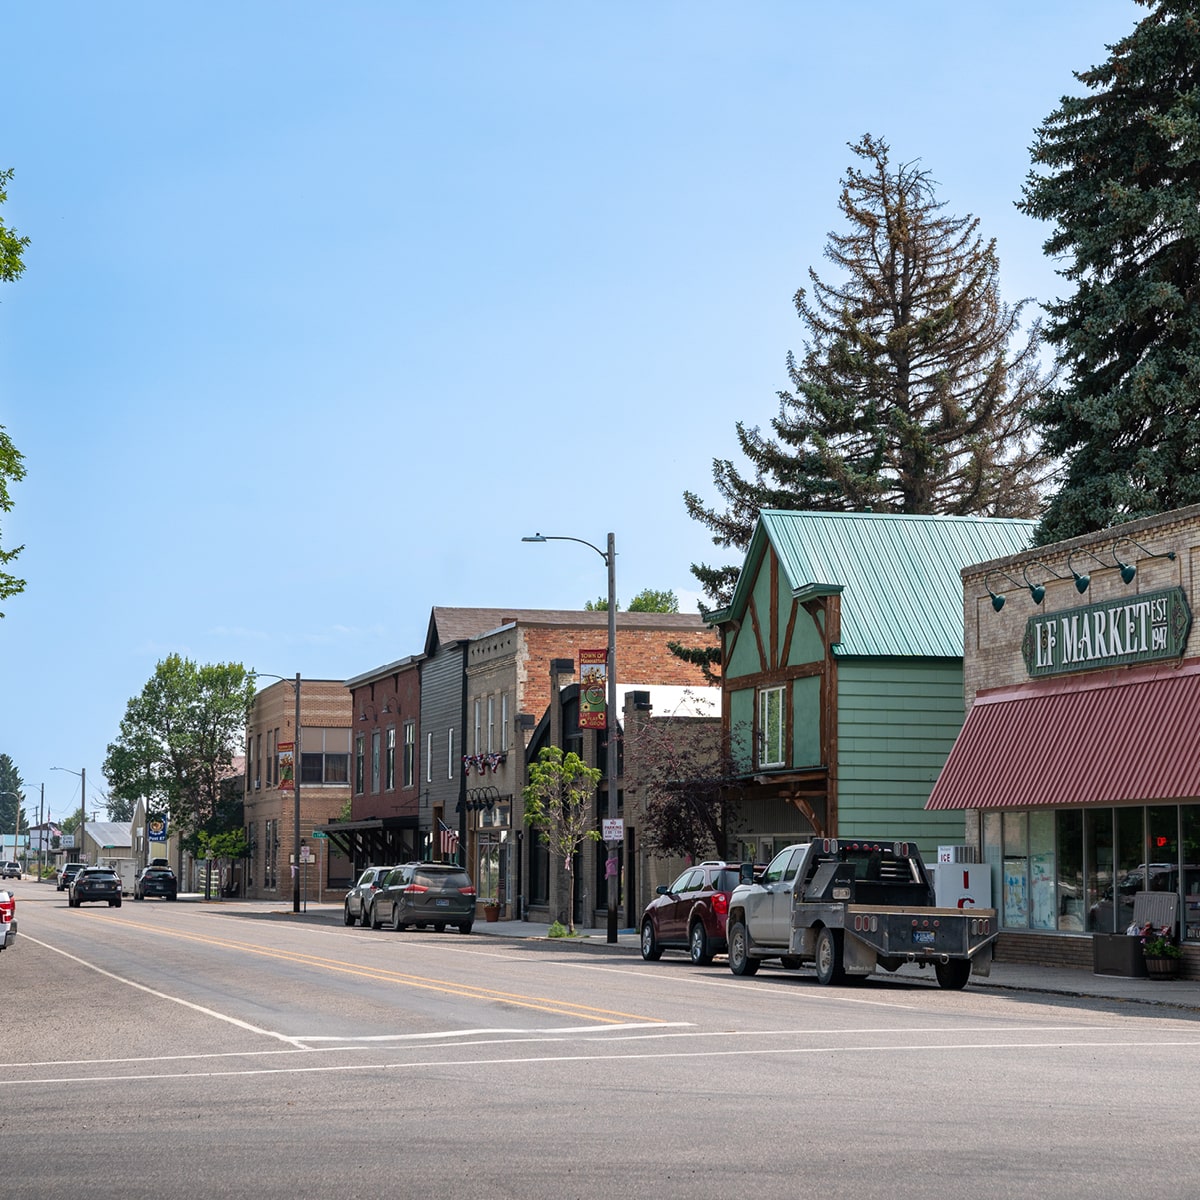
<point>239,1049</point>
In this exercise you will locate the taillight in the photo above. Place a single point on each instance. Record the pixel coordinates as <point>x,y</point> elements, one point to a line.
<point>467,891</point>
<point>416,887</point>
<point>720,903</point>
<point>8,908</point>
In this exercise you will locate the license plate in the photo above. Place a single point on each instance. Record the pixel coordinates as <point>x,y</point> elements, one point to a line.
<point>442,903</point>
<point>923,937</point>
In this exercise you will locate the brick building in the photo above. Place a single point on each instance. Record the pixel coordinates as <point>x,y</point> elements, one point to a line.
<point>1077,771</point>
<point>324,771</point>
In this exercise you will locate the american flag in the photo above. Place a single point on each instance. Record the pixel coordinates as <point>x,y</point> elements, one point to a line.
<point>448,838</point>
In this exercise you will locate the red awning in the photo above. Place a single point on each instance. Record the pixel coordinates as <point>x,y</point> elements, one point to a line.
<point>1129,734</point>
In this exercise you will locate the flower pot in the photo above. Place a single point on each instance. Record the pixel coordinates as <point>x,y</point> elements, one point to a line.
<point>1162,968</point>
<point>491,912</point>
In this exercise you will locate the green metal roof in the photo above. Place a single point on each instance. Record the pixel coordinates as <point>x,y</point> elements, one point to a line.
<point>898,574</point>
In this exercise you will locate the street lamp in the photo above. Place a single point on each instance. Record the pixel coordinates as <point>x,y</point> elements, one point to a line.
<point>295,785</point>
<point>610,560</point>
<point>82,801</point>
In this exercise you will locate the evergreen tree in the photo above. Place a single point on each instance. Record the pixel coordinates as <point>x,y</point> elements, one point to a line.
<point>909,396</point>
<point>1118,172</point>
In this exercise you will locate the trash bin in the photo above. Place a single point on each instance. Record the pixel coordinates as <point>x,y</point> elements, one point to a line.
<point>1118,954</point>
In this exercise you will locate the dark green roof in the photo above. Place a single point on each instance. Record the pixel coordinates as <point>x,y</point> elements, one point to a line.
<point>898,574</point>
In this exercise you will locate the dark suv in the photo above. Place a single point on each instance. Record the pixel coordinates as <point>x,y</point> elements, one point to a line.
<point>155,881</point>
<point>690,914</point>
<point>426,893</point>
<point>67,873</point>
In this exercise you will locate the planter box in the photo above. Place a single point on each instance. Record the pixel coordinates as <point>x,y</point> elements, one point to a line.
<point>1118,954</point>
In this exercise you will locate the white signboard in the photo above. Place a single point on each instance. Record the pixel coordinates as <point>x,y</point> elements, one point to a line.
<point>613,829</point>
<point>67,841</point>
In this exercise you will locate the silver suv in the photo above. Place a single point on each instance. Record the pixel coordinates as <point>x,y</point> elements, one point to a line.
<point>10,870</point>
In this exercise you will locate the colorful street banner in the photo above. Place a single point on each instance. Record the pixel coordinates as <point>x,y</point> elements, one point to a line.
<point>156,829</point>
<point>593,689</point>
<point>286,763</point>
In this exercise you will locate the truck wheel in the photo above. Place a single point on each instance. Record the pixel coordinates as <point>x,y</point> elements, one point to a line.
<point>953,975</point>
<point>651,950</point>
<point>740,962</point>
<point>829,956</point>
<point>698,945</point>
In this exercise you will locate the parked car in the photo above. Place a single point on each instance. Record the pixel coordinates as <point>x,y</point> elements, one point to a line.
<point>10,869</point>
<point>360,898</point>
<point>425,893</point>
<point>155,881</point>
<point>95,883</point>
<point>8,919</point>
<point>66,873</point>
<point>690,913</point>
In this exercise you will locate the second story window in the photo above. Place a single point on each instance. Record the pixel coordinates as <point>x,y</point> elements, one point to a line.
<point>491,725</point>
<point>375,762</point>
<point>770,727</point>
<point>390,759</point>
<point>410,753</point>
<point>359,757</point>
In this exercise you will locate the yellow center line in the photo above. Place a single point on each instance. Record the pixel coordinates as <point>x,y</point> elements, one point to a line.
<point>386,975</point>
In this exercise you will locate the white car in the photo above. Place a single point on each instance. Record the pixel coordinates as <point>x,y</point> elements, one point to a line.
<point>8,919</point>
<point>10,869</point>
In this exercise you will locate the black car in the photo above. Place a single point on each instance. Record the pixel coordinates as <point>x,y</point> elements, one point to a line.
<point>360,898</point>
<point>155,881</point>
<point>95,883</point>
<point>425,893</point>
<point>67,873</point>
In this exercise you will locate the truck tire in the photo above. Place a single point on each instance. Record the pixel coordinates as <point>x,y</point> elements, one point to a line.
<point>740,961</point>
<point>829,956</point>
<point>953,975</point>
<point>651,950</point>
<point>698,949</point>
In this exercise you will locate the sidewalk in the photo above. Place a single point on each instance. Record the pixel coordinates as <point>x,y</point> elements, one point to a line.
<point>1005,976</point>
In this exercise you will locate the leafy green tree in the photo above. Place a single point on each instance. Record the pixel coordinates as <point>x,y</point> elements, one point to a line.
<point>558,802</point>
<point>913,391</point>
<point>12,263</point>
<point>178,739</point>
<point>1118,173</point>
<point>648,600</point>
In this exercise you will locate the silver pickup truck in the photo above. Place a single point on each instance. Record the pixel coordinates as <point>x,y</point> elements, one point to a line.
<point>8,919</point>
<point>849,906</point>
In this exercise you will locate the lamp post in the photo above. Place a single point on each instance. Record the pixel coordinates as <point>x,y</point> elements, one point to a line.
<point>17,823</point>
<point>610,560</point>
<point>82,801</point>
<point>295,786</point>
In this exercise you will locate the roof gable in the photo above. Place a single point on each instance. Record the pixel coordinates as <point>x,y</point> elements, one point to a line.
<point>898,573</point>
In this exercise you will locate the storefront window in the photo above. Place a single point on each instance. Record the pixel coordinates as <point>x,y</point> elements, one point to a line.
<point>1042,913</point>
<point>1098,844</point>
<point>1069,824</point>
<point>1131,860</point>
<point>1189,829</point>
<point>1015,881</point>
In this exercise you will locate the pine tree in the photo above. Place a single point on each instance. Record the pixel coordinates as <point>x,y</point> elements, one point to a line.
<point>1118,172</point>
<point>908,397</point>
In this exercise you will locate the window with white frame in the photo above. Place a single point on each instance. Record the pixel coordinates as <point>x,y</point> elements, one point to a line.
<point>375,762</point>
<point>504,722</point>
<point>770,727</point>
<point>429,758</point>
<point>491,725</point>
<point>450,753</point>
<point>410,753</point>
<point>478,747</point>
<point>389,770</point>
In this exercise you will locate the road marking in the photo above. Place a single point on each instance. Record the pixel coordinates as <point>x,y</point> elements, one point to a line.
<point>384,975</point>
<point>920,1047</point>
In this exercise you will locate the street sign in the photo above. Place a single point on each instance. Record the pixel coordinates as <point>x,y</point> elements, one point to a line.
<point>306,855</point>
<point>319,833</point>
<point>613,829</point>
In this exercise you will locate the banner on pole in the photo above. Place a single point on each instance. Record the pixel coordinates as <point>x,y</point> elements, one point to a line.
<point>286,764</point>
<point>593,689</point>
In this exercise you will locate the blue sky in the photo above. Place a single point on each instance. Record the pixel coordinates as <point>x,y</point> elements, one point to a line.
<point>327,304</point>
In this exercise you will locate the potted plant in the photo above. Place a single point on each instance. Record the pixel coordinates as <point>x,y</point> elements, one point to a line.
<point>1162,955</point>
<point>491,909</point>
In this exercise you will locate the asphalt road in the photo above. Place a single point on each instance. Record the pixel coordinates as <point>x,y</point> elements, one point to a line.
<point>173,1050</point>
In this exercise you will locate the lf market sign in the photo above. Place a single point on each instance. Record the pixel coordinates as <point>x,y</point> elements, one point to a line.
<point>1142,629</point>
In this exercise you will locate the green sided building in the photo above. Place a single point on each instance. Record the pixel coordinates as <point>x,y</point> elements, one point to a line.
<point>843,671</point>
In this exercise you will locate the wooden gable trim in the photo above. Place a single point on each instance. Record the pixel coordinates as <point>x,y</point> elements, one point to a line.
<point>774,611</point>
<point>758,641</point>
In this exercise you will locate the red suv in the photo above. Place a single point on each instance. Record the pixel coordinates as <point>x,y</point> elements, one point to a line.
<point>690,914</point>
